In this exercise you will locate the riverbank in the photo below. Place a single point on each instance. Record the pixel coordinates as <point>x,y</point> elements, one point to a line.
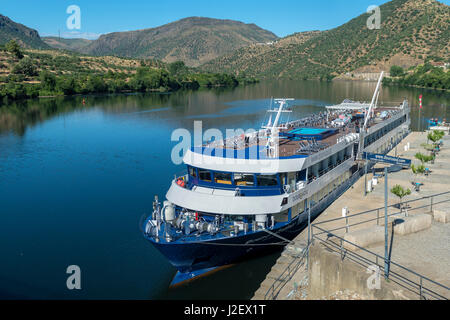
<point>44,73</point>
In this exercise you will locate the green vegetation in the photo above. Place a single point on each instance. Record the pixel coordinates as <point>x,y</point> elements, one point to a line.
<point>194,40</point>
<point>27,37</point>
<point>436,136</point>
<point>397,71</point>
<point>13,47</point>
<point>400,192</point>
<point>52,73</point>
<point>409,29</point>
<point>426,76</point>
<point>418,170</point>
<point>424,158</point>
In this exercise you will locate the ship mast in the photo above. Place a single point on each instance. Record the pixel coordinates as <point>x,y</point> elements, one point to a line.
<point>372,104</point>
<point>272,143</point>
<point>368,115</point>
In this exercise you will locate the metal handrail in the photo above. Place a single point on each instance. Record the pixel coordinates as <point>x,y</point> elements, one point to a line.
<point>347,226</point>
<point>392,206</point>
<point>281,280</point>
<point>419,286</point>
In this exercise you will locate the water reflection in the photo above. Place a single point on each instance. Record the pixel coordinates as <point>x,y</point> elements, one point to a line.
<point>16,117</point>
<point>76,178</point>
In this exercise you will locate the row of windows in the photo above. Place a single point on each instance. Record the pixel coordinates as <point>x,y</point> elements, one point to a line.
<point>253,180</point>
<point>382,132</point>
<point>331,187</point>
<point>234,179</point>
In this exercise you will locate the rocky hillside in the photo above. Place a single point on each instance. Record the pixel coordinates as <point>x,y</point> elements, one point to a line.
<point>26,37</point>
<point>66,44</point>
<point>254,59</point>
<point>192,40</point>
<point>412,32</point>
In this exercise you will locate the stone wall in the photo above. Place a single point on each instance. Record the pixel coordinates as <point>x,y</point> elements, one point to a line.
<point>330,274</point>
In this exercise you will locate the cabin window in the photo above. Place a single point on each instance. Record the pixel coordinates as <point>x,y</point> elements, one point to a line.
<point>222,178</point>
<point>301,176</point>
<point>192,172</point>
<point>267,181</point>
<point>241,179</point>
<point>204,175</point>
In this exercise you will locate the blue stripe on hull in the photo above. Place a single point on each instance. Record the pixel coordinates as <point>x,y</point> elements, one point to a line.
<point>191,257</point>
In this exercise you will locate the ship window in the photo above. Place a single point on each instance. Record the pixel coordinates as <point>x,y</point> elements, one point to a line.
<point>267,181</point>
<point>301,176</point>
<point>204,175</point>
<point>192,172</point>
<point>222,178</point>
<point>241,179</point>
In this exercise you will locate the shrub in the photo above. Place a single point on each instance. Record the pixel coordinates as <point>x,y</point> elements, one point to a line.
<point>13,47</point>
<point>26,67</point>
<point>397,71</point>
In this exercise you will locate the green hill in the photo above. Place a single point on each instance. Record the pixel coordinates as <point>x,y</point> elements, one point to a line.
<point>66,44</point>
<point>192,40</point>
<point>412,32</point>
<point>26,37</point>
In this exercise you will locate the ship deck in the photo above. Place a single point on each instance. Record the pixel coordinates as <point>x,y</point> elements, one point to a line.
<point>290,144</point>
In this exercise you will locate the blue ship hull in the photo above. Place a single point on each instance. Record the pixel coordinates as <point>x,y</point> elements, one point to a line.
<point>194,258</point>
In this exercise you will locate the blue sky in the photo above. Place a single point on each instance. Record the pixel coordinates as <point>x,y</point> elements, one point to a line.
<point>283,17</point>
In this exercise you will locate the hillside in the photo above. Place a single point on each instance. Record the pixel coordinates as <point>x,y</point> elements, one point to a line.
<point>258,55</point>
<point>412,32</point>
<point>66,44</point>
<point>26,37</point>
<point>32,73</point>
<point>193,40</point>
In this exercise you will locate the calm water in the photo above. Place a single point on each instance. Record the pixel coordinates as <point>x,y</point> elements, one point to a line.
<point>75,181</point>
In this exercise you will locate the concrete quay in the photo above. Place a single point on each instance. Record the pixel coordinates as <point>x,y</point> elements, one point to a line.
<point>419,241</point>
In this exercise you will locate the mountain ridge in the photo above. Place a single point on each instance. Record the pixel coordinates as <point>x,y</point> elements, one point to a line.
<point>411,32</point>
<point>25,36</point>
<point>193,40</point>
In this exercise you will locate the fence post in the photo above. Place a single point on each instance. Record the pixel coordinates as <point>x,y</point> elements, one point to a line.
<point>431,207</point>
<point>378,217</point>
<point>420,288</point>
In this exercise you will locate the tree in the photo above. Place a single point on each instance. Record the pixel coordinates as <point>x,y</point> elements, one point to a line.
<point>423,158</point>
<point>400,192</point>
<point>177,68</point>
<point>397,71</point>
<point>436,136</point>
<point>417,170</point>
<point>13,47</point>
<point>48,80</point>
<point>26,67</point>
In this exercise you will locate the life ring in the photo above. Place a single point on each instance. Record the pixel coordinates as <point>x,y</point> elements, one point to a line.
<point>181,183</point>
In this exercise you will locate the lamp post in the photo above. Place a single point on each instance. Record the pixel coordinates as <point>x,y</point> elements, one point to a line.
<point>386,237</point>
<point>420,109</point>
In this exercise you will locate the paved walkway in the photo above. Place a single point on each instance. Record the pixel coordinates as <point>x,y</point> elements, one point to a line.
<point>426,252</point>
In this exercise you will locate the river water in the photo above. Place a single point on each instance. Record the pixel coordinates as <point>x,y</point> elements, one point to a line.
<point>76,179</point>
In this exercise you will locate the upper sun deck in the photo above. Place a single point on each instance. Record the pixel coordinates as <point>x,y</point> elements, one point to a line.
<point>304,137</point>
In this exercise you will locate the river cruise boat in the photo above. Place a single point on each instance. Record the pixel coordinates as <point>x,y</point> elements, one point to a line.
<point>253,193</point>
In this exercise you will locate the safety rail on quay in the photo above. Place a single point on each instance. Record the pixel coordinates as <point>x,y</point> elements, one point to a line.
<point>410,280</point>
